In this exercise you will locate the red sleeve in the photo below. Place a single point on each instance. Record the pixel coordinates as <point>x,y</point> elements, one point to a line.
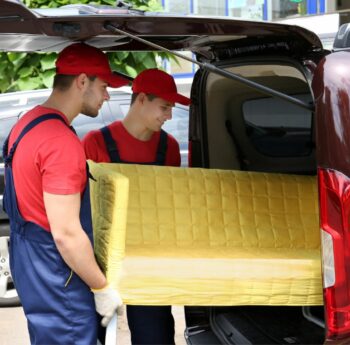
<point>62,165</point>
<point>173,157</point>
<point>94,147</point>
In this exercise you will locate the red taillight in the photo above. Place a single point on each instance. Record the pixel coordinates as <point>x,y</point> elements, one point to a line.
<point>334,189</point>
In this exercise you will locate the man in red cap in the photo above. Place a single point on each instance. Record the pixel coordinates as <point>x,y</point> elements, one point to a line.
<point>47,200</point>
<point>139,139</point>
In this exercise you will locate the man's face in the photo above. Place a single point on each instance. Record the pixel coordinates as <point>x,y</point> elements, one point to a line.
<point>156,112</point>
<point>94,96</point>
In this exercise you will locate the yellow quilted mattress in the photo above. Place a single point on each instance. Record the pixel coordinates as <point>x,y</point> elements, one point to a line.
<point>188,236</point>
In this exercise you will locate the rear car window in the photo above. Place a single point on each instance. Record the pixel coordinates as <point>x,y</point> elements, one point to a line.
<point>278,128</point>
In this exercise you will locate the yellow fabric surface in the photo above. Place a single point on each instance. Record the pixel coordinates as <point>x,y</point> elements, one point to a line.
<point>109,202</point>
<point>191,236</point>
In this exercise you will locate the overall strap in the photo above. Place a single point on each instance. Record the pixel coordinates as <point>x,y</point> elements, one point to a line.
<point>162,147</point>
<point>110,145</point>
<point>8,155</point>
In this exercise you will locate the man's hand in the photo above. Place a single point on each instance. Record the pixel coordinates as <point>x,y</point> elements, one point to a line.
<point>108,302</point>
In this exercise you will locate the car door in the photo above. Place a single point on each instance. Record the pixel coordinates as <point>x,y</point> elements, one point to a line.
<point>331,89</point>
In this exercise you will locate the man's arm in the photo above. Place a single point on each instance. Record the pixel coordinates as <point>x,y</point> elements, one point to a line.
<point>71,240</point>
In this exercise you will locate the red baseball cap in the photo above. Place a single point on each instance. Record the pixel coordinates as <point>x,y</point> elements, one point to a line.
<point>158,83</point>
<point>81,58</point>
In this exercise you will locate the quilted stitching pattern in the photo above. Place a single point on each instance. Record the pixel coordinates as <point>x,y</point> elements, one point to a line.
<point>242,221</point>
<point>109,200</point>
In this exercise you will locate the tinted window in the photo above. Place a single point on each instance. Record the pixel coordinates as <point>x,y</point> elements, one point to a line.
<point>278,128</point>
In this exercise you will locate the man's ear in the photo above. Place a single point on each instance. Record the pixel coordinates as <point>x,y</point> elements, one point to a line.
<point>141,97</point>
<point>82,81</point>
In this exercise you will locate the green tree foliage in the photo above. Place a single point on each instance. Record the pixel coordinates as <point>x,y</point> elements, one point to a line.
<point>21,71</point>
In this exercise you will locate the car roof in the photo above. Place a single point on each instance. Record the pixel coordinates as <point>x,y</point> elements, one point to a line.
<point>50,30</point>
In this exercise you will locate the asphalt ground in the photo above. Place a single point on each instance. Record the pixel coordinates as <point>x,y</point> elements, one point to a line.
<point>13,327</point>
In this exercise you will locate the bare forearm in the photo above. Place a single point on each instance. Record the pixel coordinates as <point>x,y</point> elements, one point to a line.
<point>71,240</point>
<point>76,250</point>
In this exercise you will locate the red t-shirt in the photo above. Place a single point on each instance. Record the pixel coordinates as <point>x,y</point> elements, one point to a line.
<point>130,148</point>
<point>49,158</point>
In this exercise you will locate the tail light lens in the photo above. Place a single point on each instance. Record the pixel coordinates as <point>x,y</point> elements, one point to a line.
<point>334,188</point>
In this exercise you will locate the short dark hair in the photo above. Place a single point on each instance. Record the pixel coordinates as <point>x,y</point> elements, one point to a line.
<point>63,82</point>
<point>149,96</point>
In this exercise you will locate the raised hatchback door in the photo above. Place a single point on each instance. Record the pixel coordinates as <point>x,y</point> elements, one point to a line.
<point>23,29</point>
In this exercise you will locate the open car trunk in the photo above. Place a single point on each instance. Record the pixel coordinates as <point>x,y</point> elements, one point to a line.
<point>236,127</point>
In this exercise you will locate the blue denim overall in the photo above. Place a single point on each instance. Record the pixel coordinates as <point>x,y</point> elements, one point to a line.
<point>59,306</point>
<point>148,324</point>
<point>113,151</point>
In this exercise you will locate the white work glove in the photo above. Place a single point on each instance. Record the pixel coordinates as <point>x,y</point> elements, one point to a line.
<point>108,302</point>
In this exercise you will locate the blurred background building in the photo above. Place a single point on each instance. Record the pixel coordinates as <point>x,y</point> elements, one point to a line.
<point>320,16</point>
<point>250,9</point>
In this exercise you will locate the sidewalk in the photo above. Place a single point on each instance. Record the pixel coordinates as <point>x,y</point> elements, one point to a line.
<point>13,327</point>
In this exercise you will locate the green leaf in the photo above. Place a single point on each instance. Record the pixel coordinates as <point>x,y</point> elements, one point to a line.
<point>117,59</point>
<point>26,71</point>
<point>47,77</point>
<point>121,55</point>
<point>32,59</point>
<point>139,57</point>
<point>149,61</point>
<point>4,65</point>
<point>47,61</point>
<point>16,58</point>
<point>110,2</point>
<point>4,84</point>
<point>132,72</point>
<point>29,83</point>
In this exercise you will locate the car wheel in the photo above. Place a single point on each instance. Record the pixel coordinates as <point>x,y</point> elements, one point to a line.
<point>8,293</point>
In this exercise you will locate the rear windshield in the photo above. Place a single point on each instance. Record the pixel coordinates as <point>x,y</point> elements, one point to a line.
<point>278,128</point>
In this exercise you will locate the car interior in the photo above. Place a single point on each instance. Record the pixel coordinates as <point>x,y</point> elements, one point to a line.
<point>246,130</point>
<point>259,132</point>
